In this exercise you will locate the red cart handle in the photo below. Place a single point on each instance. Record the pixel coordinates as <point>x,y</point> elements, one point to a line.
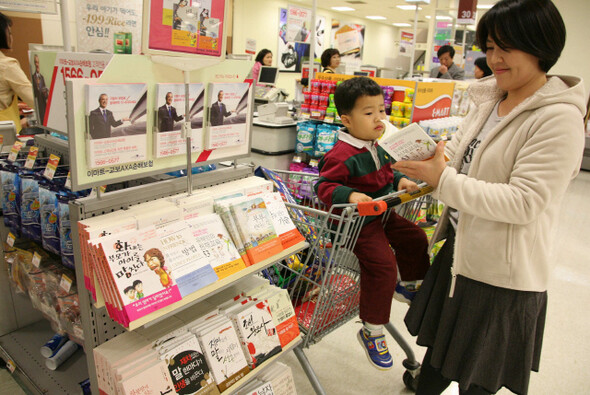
<point>371,208</point>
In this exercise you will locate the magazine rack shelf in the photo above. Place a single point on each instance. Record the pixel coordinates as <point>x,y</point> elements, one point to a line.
<point>98,326</point>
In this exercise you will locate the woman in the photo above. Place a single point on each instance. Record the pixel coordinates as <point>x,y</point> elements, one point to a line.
<point>13,81</point>
<point>481,308</point>
<point>263,58</point>
<point>330,60</point>
<point>481,68</point>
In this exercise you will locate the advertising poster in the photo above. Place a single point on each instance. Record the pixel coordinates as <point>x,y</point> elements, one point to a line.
<point>113,26</point>
<point>170,112</point>
<point>116,121</point>
<point>432,100</point>
<point>348,38</point>
<point>69,65</point>
<point>228,112</point>
<point>41,75</point>
<point>298,24</point>
<point>186,26</point>
<point>406,43</point>
<point>294,53</point>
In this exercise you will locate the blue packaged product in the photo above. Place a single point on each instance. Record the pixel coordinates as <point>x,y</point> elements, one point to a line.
<point>326,137</point>
<point>50,348</point>
<point>65,231</point>
<point>29,207</point>
<point>11,198</point>
<point>305,137</point>
<point>48,211</point>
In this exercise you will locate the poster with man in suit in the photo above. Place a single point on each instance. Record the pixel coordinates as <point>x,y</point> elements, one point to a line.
<point>101,120</point>
<point>169,140</point>
<point>167,115</point>
<point>117,129</point>
<point>218,111</point>
<point>40,90</point>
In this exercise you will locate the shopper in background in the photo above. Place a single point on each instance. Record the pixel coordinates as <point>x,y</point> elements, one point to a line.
<point>481,68</point>
<point>263,58</point>
<point>447,69</point>
<point>330,60</point>
<point>358,170</point>
<point>13,80</point>
<point>481,308</point>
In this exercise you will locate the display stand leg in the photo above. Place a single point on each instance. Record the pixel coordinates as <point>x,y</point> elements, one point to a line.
<point>186,128</point>
<point>313,379</point>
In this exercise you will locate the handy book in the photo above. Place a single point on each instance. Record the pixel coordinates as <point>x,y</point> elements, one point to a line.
<point>409,143</point>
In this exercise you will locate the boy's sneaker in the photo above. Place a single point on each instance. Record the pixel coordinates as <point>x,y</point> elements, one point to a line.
<point>376,349</point>
<point>405,291</point>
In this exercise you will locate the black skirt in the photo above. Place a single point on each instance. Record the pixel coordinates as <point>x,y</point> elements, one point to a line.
<point>484,335</point>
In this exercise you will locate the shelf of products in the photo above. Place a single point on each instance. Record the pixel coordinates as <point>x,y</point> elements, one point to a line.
<point>22,348</point>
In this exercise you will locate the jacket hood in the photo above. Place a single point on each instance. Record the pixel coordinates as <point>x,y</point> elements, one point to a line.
<point>557,89</point>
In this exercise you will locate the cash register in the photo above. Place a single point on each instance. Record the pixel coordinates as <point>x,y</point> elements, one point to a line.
<point>266,90</point>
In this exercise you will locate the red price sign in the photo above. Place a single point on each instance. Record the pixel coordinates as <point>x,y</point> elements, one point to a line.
<point>467,9</point>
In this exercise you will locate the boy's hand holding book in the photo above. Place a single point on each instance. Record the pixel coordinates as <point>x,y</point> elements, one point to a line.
<point>357,197</point>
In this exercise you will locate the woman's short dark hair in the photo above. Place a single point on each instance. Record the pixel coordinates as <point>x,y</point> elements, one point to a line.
<point>531,26</point>
<point>327,55</point>
<point>262,54</point>
<point>4,23</point>
<point>482,63</point>
<point>444,49</point>
<point>350,90</point>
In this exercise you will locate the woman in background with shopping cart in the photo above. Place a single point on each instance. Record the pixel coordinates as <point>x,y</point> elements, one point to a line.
<point>481,308</point>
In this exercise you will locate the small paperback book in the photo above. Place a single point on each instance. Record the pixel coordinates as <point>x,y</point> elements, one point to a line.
<point>212,238</point>
<point>257,331</point>
<point>409,143</point>
<point>117,131</point>
<point>188,262</point>
<point>256,229</point>
<point>143,281</point>
<point>281,220</point>
<point>229,114</point>
<point>170,115</point>
<point>153,380</point>
<point>224,354</point>
<point>189,369</point>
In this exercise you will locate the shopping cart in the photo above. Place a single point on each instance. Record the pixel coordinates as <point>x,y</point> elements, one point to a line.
<point>324,280</point>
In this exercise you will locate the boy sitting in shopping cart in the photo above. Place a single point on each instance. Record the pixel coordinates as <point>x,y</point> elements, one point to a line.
<point>358,170</point>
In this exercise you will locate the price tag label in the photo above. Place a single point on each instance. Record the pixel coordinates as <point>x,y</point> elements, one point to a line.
<point>14,151</point>
<point>65,283</point>
<point>316,114</point>
<point>329,120</point>
<point>11,365</point>
<point>305,115</point>
<point>10,239</point>
<point>68,183</point>
<point>33,152</point>
<point>51,166</point>
<point>36,260</point>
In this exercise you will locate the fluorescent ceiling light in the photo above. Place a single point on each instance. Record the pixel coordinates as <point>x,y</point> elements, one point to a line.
<point>376,17</point>
<point>408,7</point>
<point>484,6</point>
<point>342,9</point>
<point>443,18</point>
<point>401,24</point>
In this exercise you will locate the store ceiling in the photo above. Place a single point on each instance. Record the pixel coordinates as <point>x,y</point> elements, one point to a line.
<point>389,9</point>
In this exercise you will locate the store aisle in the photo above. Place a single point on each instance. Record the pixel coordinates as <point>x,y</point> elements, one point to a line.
<point>342,367</point>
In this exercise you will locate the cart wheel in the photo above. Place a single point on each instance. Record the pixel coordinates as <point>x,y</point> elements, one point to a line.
<point>411,380</point>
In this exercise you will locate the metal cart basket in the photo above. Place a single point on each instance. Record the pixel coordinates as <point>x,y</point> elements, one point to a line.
<point>324,280</point>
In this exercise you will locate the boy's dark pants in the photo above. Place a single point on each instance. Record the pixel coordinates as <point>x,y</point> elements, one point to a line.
<point>378,263</point>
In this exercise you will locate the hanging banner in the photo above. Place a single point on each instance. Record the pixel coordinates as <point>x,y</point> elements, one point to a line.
<point>466,13</point>
<point>251,46</point>
<point>298,24</point>
<point>406,43</point>
<point>112,26</point>
<point>70,65</point>
<point>432,100</point>
<point>348,38</point>
<point>40,6</point>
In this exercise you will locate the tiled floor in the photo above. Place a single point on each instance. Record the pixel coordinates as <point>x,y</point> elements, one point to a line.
<point>342,369</point>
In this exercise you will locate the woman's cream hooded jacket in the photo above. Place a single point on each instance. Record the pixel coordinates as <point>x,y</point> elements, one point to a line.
<point>509,202</point>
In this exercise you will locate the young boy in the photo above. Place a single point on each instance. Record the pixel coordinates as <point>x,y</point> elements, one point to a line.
<point>358,170</point>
